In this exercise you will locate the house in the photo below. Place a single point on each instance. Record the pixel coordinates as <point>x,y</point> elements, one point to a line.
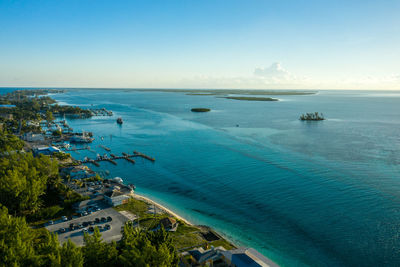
<point>169,224</point>
<point>32,137</point>
<point>116,197</point>
<point>78,172</point>
<point>46,150</point>
<point>117,192</point>
<point>202,257</point>
<point>6,116</point>
<point>246,257</point>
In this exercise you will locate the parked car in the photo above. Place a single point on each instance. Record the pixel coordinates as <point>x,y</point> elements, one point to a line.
<point>107,227</point>
<point>103,219</point>
<point>85,224</point>
<point>62,230</point>
<point>71,226</point>
<point>64,218</point>
<point>84,213</point>
<point>97,209</point>
<point>100,228</point>
<point>97,220</point>
<point>84,230</point>
<point>51,222</point>
<point>109,219</point>
<point>91,229</point>
<point>80,225</point>
<point>91,222</point>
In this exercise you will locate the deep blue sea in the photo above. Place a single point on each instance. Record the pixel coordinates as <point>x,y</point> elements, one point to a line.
<point>302,193</point>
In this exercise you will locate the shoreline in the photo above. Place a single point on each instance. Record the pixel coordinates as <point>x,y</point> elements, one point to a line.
<point>161,207</point>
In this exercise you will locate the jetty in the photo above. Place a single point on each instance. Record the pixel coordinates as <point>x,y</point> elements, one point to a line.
<point>138,154</point>
<point>113,158</point>
<point>77,148</point>
<point>100,112</point>
<point>104,147</point>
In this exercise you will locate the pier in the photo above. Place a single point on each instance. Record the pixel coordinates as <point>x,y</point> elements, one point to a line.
<point>138,154</point>
<point>77,148</point>
<point>100,112</point>
<point>112,158</point>
<point>104,147</point>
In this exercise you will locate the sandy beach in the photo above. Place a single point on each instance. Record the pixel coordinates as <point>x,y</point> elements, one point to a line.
<point>158,205</point>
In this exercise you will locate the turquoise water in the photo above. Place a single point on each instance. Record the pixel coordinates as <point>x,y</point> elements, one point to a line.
<point>302,193</point>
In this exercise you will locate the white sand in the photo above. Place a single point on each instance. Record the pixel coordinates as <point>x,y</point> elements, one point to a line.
<point>158,205</point>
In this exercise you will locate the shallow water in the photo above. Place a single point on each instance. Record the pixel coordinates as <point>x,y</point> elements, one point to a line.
<point>302,193</point>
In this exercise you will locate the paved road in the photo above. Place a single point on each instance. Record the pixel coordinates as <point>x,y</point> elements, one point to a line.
<point>77,235</point>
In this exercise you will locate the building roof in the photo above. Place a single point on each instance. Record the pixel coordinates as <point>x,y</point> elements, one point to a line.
<point>114,193</point>
<point>48,148</point>
<point>248,257</point>
<point>168,222</point>
<point>201,255</point>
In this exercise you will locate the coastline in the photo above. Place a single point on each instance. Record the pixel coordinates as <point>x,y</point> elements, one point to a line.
<point>161,207</point>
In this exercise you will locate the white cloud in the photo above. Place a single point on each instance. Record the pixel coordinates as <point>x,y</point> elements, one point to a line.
<point>277,77</point>
<point>275,71</point>
<point>276,74</point>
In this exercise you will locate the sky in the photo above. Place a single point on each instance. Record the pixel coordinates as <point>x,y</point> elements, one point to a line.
<point>254,44</point>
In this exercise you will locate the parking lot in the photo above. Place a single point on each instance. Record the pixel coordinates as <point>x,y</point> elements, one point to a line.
<point>118,220</point>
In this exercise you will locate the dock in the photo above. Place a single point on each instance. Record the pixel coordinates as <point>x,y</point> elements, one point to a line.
<point>112,158</point>
<point>78,148</point>
<point>138,154</point>
<point>104,147</point>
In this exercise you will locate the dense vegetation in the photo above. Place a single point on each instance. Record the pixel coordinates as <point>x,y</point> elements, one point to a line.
<point>312,117</point>
<point>21,245</point>
<point>200,109</point>
<point>251,98</point>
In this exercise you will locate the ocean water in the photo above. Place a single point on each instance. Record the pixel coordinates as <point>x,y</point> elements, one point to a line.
<point>302,193</point>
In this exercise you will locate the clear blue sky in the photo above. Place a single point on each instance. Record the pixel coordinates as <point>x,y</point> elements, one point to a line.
<point>201,44</point>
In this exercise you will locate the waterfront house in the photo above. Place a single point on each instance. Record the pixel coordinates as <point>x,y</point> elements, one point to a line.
<point>210,257</point>
<point>46,150</point>
<point>6,116</point>
<point>32,137</point>
<point>116,197</point>
<point>169,224</point>
<point>246,257</point>
<point>78,172</point>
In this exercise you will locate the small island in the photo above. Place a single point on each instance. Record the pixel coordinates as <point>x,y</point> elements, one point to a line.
<point>312,117</point>
<point>200,109</point>
<point>251,98</point>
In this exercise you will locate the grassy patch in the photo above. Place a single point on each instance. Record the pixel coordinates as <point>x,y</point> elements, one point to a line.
<point>135,206</point>
<point>222,242</point>
<point>186,240</point>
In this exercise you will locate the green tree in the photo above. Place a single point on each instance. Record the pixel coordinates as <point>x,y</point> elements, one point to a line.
<point>49,116</point>
<point>137,249</point>
<point>16,240</point>
<point>71,256</point>
<point>9,143</point>
<point>24,179</point>
<point>98,253</point>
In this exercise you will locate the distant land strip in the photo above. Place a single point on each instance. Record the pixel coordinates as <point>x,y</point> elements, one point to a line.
<point>209,92</point>
<point>250,98</point>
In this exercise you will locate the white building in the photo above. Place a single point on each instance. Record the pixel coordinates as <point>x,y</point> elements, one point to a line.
<point>32,137</point>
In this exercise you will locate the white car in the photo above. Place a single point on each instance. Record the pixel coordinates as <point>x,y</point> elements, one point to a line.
<point>64,218</point>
